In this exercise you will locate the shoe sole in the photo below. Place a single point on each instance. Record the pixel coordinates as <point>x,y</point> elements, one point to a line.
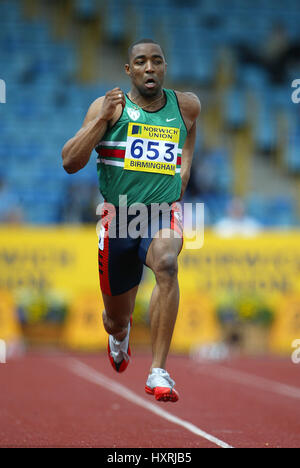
<point>120,366</point>
<point>163,393</point>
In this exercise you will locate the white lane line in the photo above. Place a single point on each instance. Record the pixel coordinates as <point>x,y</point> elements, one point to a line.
<point>251,380</point>
<point>90,374</point>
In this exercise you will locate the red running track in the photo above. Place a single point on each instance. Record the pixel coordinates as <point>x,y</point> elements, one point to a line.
<point>63,400</point>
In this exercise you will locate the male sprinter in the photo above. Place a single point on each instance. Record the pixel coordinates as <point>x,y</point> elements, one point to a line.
<point>145,141</point>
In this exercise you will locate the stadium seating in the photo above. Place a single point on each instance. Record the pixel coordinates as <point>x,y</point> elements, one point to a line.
<point>46,104</point>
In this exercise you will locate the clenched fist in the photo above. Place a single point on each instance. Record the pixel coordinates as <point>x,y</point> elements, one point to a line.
<point>111,100</point>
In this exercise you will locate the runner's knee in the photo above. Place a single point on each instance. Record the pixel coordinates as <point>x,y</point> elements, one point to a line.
<point>166,265</point>
<point>114,325</point>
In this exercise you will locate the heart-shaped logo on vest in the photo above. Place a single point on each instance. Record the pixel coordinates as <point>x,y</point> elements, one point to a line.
<point>134,114</point>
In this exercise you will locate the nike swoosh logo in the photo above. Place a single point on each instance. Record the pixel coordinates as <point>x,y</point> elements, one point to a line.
<point>170,120</point>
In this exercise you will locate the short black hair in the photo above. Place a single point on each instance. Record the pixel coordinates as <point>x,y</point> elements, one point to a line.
<point>142,41</point>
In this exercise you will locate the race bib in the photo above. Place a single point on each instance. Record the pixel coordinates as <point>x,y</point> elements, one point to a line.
<point>151,148</point>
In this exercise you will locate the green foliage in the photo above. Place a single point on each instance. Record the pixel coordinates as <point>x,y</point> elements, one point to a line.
<point>244,308</point>
<point>41,307</point>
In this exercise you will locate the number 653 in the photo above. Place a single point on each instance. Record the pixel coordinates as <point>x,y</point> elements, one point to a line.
<point>152,150</point>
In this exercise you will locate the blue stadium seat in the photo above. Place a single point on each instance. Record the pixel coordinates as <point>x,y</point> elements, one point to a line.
<point>40,72</point>
<point>292,157</point>
<point>234,108</point>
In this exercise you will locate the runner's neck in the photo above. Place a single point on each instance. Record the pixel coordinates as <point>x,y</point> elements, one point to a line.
<point>156,103</point>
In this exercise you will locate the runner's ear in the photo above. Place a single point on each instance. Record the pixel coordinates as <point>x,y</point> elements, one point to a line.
<point>127,69</point>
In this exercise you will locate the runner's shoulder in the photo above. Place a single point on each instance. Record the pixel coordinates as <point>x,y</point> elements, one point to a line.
<point>94,111</point>
<point>95,107</point>
<point>189,104</point>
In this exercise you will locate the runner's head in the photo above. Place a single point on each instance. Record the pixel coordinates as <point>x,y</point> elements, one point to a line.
<point>146,67</point>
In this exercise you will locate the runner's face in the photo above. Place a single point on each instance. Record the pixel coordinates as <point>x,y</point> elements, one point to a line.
<point>147,69</point>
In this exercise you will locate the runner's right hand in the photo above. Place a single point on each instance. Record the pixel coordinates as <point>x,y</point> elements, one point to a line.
<point>111,100</point>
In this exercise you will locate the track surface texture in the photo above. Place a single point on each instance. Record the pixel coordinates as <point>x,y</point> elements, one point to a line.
<point>53,399</point>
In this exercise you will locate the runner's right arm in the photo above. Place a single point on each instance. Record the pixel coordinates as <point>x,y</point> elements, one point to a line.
<point>77,151</point>
<point>190,107</point>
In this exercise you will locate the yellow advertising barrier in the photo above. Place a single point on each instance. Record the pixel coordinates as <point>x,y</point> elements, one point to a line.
<point>65,259</point>
<point>83,328</point>
<point>9,325</point>
<point>196,322</point>
<point>50,258</point>
<point>60,259</point>
<point>286,328</point>
<point>267,266</point>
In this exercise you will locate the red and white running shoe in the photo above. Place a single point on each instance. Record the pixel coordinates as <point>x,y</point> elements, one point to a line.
<point>119,351</point>
<point>160,384</point>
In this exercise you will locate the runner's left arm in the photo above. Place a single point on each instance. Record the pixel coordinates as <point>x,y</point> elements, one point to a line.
<point>187,158</point>
<point>190,108</point>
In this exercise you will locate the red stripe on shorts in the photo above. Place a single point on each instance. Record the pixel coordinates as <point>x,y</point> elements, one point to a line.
<point>104,258</point>
<point>176,224</point>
